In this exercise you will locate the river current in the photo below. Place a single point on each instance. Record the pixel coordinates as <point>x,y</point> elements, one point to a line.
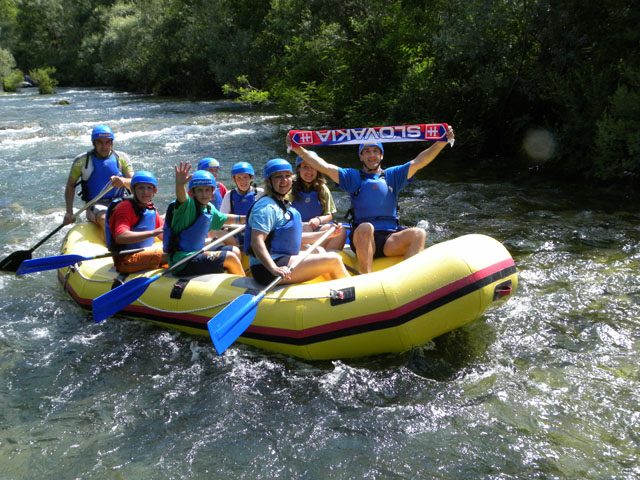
<point>545,386</point>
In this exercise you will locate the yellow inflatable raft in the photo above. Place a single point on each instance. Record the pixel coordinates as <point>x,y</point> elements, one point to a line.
<point>402,304</point>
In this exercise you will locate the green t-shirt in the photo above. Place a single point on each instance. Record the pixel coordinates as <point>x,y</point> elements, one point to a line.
<point>184,214</point>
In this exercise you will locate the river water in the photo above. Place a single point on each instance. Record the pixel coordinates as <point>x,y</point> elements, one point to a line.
<point>545,386</point>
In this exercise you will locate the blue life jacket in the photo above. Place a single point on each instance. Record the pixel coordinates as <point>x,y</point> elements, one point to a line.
<point>308,204</point>
<point>240,204</point>
<point>217,199</point>
<point>375,202</point>
<point>285,240</point>
<point>103,170</point>
<point>192,238</point>
<point>146,222</point>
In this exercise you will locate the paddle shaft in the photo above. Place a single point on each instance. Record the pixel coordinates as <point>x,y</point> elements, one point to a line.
<point>75,215</point>
<point>115,300</point>
<point>241,312</point>
<point>216,242</point>
<point>300,258</point>
<point>12,262</point>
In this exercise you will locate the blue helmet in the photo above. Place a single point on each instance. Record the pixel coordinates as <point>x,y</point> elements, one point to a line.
<point>144,177</point>
<point>202,178</point>
<point>242,167</point>
<point>101,131</point>
<point>299,160</point>
<point>208,163</point>
<point>379,145</point>
<point>274,166</point>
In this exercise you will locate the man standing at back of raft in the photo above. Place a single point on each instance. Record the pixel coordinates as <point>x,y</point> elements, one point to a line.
<point>374,199</point>
<point>95,169</point>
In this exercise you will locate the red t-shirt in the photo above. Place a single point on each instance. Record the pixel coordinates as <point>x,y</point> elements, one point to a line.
<point>124,217</point>
<point>222,188</point>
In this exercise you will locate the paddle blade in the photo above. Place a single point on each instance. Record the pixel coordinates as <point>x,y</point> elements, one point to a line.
<point>233,320</point>
<point>49,263</point>
<point>115,300</point>
<point>13,261</point>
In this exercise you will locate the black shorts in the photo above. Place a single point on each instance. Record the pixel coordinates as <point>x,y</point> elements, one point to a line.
<point>379,238</point>
<point>264,276</point>
<point>204,263</point>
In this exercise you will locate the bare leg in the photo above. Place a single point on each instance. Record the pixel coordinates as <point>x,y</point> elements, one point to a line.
<point>97,219</point>
<point>336,243</point>
<point>407,242</point>
<point>328,265</point>
<point>232,264</point>
<point>365,246</point>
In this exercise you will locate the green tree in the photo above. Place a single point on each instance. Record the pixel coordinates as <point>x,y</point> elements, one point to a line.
<point>43,78</point>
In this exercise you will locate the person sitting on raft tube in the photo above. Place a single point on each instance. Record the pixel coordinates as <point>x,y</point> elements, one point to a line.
<point>134,223</point>
<point>239,200</point>
<point>274,234</point>
<point>93,170</point>
<point>374,199</point>
<point>213,166</point>
<point>312,198</point>
<point>188,221</point>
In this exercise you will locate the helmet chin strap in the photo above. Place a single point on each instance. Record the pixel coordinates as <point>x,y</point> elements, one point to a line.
<point>374,170</point>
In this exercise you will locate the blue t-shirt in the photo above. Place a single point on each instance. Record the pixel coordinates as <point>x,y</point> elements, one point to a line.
<point>266,216</point>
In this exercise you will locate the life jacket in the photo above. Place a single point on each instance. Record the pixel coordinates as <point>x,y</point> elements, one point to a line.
<point>285,240</point>
<point>308,204</point>
<point>192,238</point>
<point>96,173</point>
<point>241,204</point>
<point>375,202</point>
<point>146,222</point>
<point>217,199</point>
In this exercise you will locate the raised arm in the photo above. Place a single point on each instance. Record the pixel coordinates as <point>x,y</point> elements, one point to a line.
<point>316,162</point>
<point>182,178</point>
<point>427,156</point>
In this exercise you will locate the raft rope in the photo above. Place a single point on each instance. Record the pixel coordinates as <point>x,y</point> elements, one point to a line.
<point>157,309</point>
<point>77,270</point>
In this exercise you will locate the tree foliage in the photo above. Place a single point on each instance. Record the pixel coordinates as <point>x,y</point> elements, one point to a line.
<point>43,78</point>
<point>495,70</point>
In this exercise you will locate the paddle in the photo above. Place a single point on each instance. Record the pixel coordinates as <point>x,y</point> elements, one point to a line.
<point>228,324</point>
<point>60,261</point>
<point>13,261</point>
<point>115,300</point>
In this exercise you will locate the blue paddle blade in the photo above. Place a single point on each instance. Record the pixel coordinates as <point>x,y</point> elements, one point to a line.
<point>233,320</point>
<point>49,263</point>
<point>115,300</point>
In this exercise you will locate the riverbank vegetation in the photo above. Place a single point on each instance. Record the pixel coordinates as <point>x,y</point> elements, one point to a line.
<point>554,84</point>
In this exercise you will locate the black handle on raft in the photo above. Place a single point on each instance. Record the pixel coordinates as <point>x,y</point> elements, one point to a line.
<point>502,290</point>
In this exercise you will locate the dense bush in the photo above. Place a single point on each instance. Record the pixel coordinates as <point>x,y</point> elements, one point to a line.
<point>11,82</point>
<point>42,77</point>
<point>10,77</point>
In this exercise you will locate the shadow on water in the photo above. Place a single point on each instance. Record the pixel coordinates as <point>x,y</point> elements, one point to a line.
<point>445,358</point>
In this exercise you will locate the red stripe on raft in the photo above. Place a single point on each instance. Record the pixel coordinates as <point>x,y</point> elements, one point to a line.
<point>382,316</point>
<point>321,329</point>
